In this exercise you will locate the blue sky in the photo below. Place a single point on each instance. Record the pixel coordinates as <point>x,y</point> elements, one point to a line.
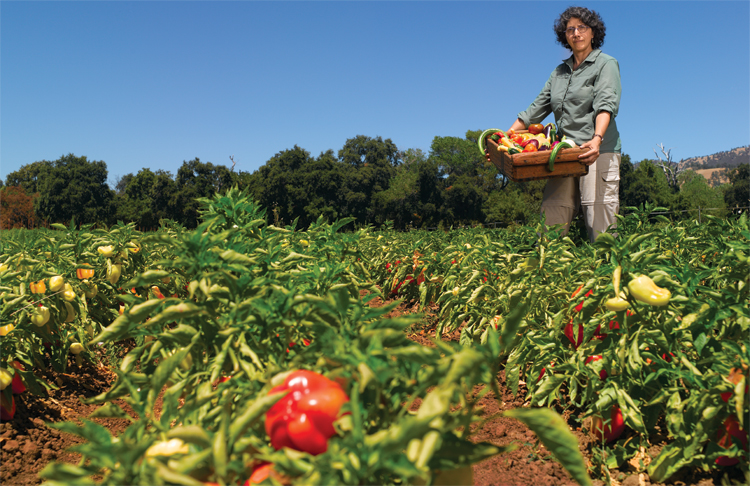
<point>152,84</point>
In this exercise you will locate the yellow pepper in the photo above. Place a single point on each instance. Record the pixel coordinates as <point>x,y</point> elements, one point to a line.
<point>70,315</point>
<point>38,287</point>
<point>644,289</point>
<point>107,251</point>
<point>113,273</point>
<point>89,289</point>
<point>6,378</point>
<point>40,316</point>
<point>68,293</point>
<point>4,330</point>
<point>617,303</point>
<point>56,283</point>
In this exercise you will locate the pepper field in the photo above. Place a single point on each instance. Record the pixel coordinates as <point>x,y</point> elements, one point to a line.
<point>240,299</point>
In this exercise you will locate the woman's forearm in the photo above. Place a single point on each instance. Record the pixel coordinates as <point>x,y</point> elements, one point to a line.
<point>601,123</point>
<point>518,125</point>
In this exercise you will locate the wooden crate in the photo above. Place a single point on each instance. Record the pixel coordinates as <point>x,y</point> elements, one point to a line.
<point>533,166</point>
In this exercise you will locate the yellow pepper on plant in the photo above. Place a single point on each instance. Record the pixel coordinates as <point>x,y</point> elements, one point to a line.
<point>40,316</point>
<point>643,289</point>
<point>617,303</point>
<point>38,287</point>
<point>56,283</point>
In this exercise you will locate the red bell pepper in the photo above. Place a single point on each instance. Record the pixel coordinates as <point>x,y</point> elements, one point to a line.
<point>570,332</point>
<point>7,407</point>
<point>730,433</point>
<point>17,384</point>
<point>303,419</point>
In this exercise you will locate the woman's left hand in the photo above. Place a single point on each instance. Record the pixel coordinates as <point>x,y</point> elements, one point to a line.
<point>592,145</point>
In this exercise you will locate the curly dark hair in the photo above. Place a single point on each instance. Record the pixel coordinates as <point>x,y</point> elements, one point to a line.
<point>588,17</point>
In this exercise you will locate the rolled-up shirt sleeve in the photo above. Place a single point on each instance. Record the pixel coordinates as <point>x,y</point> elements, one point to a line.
<point>540,107</point>
<point>607,89</point>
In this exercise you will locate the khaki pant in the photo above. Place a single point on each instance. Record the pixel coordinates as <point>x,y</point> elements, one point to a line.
<point>597,194</point>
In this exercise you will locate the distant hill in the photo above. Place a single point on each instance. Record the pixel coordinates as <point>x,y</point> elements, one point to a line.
<point>725,160</point>
<point>714,167</point>
<point>715,177</point>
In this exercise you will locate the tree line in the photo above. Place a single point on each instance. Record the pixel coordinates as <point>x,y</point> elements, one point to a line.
<point>369,179</point>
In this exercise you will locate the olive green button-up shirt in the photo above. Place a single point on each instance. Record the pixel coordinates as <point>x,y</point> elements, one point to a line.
<point>576,97</point>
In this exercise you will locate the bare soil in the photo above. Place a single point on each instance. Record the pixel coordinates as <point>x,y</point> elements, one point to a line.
<point>27,444</point>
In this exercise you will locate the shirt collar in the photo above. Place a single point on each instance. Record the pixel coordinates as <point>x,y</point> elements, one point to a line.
<point>590,58</point>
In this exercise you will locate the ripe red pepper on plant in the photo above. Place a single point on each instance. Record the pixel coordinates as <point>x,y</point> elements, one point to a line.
<point>303,419</point>
<point>731,433</point>
<point>17,383</point>
<point>572,329</point>
<point>603,373</point>
<point>598,334</point>
<point>579,307</point>
<point>260,474</point>
<point>611,431</point>
<point>7,407</point>
<point>570,332</point>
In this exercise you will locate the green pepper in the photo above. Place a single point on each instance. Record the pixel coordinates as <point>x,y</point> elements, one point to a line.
<point>483,136</point>
<point>552,132</point>
<point>553,155</point>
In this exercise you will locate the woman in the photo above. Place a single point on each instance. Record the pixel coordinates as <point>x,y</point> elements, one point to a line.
<point>584,94</point>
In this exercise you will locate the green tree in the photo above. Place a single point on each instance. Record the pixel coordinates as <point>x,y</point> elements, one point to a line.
<point>696,193</point>
<point>646,183</point>
<point>74,187</point>
<point>279,185</point>
<point>369,166</point>
<point>146,198</point>
<point>469,178</point>
<point>197,179</point>
<point>29,176</point>
<point>322,179</point>
<point>518,202</point>
<point>737,194</point>
<point>415,194</point>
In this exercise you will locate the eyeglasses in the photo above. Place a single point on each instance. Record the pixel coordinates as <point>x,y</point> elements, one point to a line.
<point>582,29</point>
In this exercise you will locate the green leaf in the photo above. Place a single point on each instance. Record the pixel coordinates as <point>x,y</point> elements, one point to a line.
<point>147,278</point>
<point>554,434</point>
<point>668,462</point>
<point>518,309</point>
<point>111,410</point>
<point>251,414</point>
<point>64,474</point>
<point>119,328</point>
